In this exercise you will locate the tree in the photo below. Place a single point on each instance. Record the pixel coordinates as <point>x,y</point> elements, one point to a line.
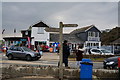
<point>109,37</point>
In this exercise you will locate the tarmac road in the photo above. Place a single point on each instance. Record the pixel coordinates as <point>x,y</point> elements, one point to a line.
<point>48,59</point>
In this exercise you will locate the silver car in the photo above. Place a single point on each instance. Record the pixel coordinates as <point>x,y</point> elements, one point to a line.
<point>22,53</point>
<point>100,52</point>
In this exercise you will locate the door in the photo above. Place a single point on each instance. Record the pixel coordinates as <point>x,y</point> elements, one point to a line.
<point>20,53</point>
<point>14,52</point>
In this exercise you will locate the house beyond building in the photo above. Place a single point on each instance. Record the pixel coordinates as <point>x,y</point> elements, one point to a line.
<point>89,36</point>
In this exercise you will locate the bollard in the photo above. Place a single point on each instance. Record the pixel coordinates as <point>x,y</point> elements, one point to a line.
<point>119,67</point>
<point>86,69</point>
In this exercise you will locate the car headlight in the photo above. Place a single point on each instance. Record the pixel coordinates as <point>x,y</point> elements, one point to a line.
<point>109,63</point>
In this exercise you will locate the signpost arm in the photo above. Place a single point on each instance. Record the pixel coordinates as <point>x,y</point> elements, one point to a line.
<point>61,52</point>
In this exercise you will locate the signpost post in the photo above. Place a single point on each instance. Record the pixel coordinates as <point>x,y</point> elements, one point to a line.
<point>60,30</point>
<point>61,25</point>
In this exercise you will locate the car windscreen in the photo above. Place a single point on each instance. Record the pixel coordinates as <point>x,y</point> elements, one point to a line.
<point>106,51</point>
<point>27,49</point>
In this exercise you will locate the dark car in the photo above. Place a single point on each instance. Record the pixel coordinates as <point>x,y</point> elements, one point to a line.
<point>22,53</point>
<point>111,62</point>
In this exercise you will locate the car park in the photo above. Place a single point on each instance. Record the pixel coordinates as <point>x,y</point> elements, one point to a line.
<point>22,53</point>
<point>96,51</point>
<point>111,62</point>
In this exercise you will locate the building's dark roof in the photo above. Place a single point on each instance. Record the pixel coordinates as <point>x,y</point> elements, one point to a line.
<point>116,41</point>
<point>15,38</point>
<point>81,29</point>
<point>70,38</point>
<point>40,24</point>
<point>25,30</point>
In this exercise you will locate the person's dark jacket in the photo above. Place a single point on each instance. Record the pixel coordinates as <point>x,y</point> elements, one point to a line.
<point>66,50</point>
<point>79,55</point>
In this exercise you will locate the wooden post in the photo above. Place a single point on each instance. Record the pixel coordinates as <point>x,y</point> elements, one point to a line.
<point>61,52</point>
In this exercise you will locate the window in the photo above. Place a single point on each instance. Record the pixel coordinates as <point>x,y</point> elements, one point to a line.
<point>94,44</point>
<point>97,44</point>
<point>19,49</point>
<point>15,48</point>
<point>97,34</point>
<point>40,30</point>
<point>88,44</point>
<point>26,33</point>
<point>91,34</point>
<point>97,51</point>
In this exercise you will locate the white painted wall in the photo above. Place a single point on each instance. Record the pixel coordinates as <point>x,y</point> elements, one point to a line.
<point>39,37</point>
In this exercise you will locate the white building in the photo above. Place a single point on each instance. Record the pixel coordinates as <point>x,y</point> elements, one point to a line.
<point>40,36</point>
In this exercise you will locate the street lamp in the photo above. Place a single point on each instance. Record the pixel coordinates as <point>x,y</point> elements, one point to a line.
<point>61,25</point>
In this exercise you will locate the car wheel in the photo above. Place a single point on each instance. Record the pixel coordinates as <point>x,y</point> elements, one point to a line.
<point>37,58</point>
<point>104,67</point>
<point>115,67</point>
<point>28,58</point>
<point>10,57</point>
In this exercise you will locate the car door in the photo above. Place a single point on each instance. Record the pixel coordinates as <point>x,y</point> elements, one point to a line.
<point>21,53</point>
<point>14,52</point>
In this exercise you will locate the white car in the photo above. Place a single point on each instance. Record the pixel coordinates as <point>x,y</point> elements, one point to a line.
<point>100,52</point>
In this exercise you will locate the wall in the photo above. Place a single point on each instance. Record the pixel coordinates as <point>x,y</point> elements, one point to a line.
<point>15,71</point>
<point>22,71</point>
<point>39,37</point>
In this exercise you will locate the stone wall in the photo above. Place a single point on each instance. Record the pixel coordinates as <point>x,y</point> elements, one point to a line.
<point>22,71</point>
<point>104,74</point>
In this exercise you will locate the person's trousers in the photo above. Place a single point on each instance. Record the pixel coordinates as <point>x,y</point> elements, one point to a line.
<point>65,61</point>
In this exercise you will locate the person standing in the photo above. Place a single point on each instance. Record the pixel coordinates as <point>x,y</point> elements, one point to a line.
<point>79,54</point>
<point>66,53</point>
<point>39,49</point>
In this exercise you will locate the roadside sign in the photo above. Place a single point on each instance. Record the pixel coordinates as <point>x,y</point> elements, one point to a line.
<point>70,25</point>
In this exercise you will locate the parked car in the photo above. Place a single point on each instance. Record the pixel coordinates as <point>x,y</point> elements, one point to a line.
<point>111,62</point>
<point>22,52</point>
<point>117,52</point>
<point>99,51</point>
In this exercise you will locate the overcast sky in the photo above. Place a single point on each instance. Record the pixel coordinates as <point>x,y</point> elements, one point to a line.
<point>21,15</point>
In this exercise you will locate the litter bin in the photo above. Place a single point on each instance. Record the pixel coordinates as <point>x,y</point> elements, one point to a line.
<point>86,69</point>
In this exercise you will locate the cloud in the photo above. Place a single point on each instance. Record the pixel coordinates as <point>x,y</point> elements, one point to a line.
<point>60,0</point>
<point>21,15</point>
<point>0,21</point>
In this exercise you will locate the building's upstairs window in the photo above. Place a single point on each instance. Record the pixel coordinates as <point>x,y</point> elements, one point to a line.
<point>40,30</point>
<point>26,33</point>
<point>93,34</point>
